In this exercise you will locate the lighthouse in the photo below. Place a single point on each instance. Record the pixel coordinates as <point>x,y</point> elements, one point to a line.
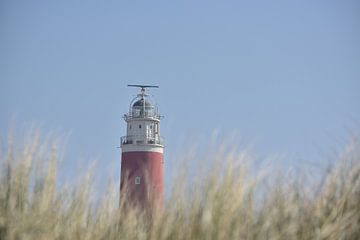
<point>142,158</point>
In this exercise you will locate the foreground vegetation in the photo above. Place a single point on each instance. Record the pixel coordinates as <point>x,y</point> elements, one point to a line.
<point>226,203</point>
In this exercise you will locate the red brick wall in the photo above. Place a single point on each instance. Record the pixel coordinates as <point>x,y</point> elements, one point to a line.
<point>149,167</point>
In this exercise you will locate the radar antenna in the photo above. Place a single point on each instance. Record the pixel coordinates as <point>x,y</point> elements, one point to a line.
<point>143,87</point>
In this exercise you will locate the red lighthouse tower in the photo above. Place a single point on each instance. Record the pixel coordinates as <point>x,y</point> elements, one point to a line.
<point>142,154</point>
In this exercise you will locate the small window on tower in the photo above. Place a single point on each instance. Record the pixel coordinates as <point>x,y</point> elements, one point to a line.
<point>150,126</point>
<point>130,126</point>
<point>139,126</point>
<point>137,180</point>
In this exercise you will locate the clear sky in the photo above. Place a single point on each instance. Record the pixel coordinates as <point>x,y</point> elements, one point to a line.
<point>283,75</point>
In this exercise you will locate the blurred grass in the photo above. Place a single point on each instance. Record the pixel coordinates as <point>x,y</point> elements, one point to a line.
<point>226,203</point>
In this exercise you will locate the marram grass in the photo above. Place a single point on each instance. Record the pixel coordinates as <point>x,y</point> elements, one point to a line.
<point>226,203</point>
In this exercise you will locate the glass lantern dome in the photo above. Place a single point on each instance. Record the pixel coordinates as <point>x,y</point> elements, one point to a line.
<point>142,108</point>
<point>142,105</point>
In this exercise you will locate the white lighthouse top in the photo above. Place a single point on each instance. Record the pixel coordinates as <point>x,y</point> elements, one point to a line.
<point>143,124</point>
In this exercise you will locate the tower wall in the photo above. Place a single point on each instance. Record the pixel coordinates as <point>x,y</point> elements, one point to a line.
<point>142,178</point>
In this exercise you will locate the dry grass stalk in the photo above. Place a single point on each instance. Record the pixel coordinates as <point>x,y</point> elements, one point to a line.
<point>225,203</point>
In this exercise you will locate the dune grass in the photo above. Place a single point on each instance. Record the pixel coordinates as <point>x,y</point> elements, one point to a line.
<point>225,203</point>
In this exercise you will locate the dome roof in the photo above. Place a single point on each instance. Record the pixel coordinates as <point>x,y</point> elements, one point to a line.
<point>141,102</point>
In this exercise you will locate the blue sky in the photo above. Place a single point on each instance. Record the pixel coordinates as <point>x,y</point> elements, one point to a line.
<point>283,75</point>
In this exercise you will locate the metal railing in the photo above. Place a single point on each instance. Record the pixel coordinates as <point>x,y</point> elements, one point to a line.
<point>132,116</point>
<point>142,139</point>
